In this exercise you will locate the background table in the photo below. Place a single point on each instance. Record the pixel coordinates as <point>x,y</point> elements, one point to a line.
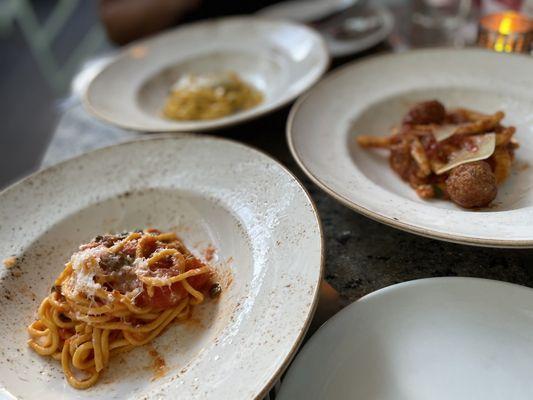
<point>361,255</point>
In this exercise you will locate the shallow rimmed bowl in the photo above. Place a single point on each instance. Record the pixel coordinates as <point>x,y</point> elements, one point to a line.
<point>280,58</point>
<point>438,338</point>
<point>370,97</point>
<point>212,192</point>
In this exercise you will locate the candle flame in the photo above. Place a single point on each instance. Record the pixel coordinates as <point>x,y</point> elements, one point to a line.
<point>506,24</point>
<point>511,23</point>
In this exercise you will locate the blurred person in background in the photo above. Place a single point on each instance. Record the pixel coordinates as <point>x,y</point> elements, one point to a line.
<point>128,20</point>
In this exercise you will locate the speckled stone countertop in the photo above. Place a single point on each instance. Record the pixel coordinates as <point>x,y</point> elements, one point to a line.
<point>361,255</point>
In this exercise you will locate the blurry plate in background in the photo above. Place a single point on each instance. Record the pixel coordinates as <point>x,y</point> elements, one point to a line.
<point>213,193</point>
<point>280,58</point>
<point>439,339</point>
<point>348,26</point>
<point>306,11</point>
<point>369,97</point>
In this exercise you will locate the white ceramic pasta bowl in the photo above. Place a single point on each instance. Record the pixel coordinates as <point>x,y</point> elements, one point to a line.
<point>212,192</point>
<point>280,58</point>
<point>370,97</point>
<point>438,338</point>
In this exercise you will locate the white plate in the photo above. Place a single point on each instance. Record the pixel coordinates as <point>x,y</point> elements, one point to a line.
<point>281,58</point>
<point>308,10</point>
<point>211,191</point>
<point>369,97</point>
<point>305,10</point>
<point>438,339</point>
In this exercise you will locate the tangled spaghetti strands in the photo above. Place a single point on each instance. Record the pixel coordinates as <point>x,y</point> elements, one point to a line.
<point>84,329</point>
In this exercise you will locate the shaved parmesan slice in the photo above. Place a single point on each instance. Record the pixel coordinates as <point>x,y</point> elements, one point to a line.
<point>207,81</point>
<point>443,132</point>
<point>484,147</point>
<point>84,266</point>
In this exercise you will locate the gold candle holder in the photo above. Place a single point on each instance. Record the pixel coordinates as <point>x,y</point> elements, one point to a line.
<point>506,32</point>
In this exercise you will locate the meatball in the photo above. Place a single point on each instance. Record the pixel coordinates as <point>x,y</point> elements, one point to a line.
<point>472,185</point>
<point>400,159</point>
<point>427,112</point>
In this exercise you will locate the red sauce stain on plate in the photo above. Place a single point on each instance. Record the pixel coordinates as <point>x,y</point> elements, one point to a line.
<point>158,364</point>
<point>209,253</point>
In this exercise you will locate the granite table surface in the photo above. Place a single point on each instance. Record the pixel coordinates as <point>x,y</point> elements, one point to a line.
<point>361,255</point>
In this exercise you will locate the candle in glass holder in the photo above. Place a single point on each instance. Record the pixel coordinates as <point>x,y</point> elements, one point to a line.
<point>506,32</point>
